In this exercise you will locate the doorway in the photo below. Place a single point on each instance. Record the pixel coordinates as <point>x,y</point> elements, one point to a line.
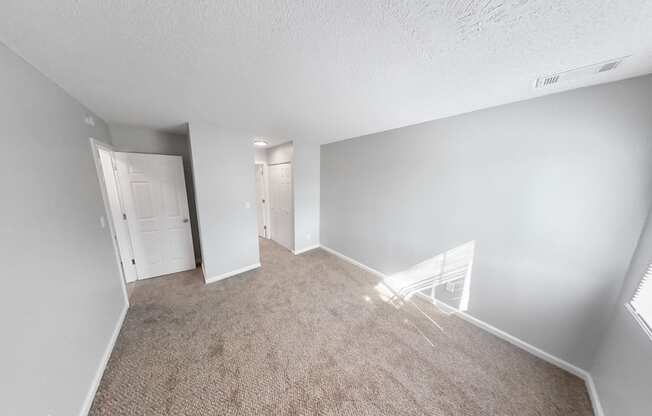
<point>155,202</point>
<point>147,206</point>
<point>262,200</point>
<point>281,205</point>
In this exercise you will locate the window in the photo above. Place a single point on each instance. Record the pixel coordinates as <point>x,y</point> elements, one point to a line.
<point>641,304</point>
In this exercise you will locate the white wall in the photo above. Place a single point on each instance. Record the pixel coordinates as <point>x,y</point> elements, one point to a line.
<point>554,190</point>
<point>260,155</point>
<point>306,172</point>
<point>224,183</point>
<point>61,295</point>
<point>145,140</point>
<point>623,366</point>
<point>283,153</point>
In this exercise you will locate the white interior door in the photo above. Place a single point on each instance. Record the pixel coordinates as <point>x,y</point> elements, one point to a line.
<point>281,206</point>
<point>116,210</point>
<point>261,201</point>
<point>156,204</point>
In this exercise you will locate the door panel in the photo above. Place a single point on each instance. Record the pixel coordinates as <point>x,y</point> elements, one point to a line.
<point>157,212</point>
<point>151,248</point>
<point>143,204</point>
<point>281,205</point>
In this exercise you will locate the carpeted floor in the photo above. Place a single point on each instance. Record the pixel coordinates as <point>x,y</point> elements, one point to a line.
<point>310,335</point>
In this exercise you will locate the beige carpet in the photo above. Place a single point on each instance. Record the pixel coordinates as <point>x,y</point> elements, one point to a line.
<point>309,335</point>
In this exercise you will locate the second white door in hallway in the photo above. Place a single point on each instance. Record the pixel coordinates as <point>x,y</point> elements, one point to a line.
<point>281,206</point>
<point>262,200</point>
<point>156,205</point>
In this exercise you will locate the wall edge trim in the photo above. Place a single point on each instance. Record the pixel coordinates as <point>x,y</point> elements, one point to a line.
<point>219,277</point>
<point>95,384</point>
<point>303,250</point>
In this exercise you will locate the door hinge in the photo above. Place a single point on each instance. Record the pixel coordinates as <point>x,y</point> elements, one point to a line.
<point>124,216</point>
<point>133,261</point>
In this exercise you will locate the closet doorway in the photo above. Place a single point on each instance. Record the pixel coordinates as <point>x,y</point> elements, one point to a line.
<point>281,205</point>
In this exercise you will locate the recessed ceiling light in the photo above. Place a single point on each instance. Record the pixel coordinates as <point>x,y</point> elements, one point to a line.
<point>260,142</point>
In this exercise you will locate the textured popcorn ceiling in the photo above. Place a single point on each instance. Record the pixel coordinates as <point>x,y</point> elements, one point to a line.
<point>322,70</point>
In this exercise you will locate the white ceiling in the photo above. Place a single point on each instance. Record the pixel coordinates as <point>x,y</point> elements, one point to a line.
<point>321,70</point>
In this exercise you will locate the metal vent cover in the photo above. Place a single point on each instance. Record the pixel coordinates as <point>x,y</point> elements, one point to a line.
<point>544,82</point>
<point>609,66</point>
<point>578,73</point>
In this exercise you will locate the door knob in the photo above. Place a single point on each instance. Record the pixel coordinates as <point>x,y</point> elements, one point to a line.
<point>185,220</point>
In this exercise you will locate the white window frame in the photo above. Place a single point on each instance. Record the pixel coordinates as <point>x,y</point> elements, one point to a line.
<point>645,286</point>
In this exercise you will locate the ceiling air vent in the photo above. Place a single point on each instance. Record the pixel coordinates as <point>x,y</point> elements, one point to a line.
<point>609,66</point>
<point>544,82</point>
<point>577,74</point>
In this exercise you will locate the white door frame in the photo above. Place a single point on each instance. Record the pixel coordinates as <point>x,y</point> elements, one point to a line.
<point>116,206</point>
<point>95,144</point>
<point>266,213</point>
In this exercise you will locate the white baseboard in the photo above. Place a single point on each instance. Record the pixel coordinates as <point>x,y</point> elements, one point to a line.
<point>354,262</point>
<point>212,279</point>
<point>556,361</point>
<point>303,250</point>
<point>88,402</point>
<point>593,395</point>
<point>524,345</point>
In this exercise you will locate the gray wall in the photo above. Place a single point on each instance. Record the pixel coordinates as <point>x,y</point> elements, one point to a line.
<point>144,140</point>
<point>61,291</point>
<point>305,172</point>
<point>554,190</point>
<point>224,182</point>
<point>623,364</point>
